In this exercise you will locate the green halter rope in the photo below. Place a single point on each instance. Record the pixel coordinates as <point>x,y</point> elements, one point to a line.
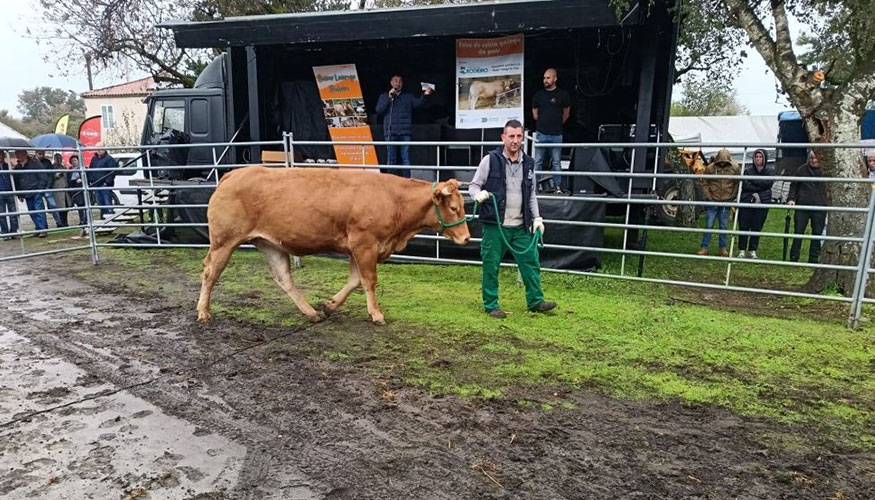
<point>537,237</point>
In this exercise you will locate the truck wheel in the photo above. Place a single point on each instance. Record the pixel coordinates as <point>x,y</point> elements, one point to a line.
<point>667,212</point>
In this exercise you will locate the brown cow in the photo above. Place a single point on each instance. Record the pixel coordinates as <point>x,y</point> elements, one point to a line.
<point>487,90</point>
<point>302,211</point>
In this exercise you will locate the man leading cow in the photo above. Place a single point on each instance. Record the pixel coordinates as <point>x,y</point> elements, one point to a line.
<point>508,174</point>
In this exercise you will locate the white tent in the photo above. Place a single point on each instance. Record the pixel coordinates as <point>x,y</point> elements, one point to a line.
<point>7,131</point>
<point>742,128</point>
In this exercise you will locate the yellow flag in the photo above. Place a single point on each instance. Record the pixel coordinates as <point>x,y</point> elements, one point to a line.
<point>61,126</point>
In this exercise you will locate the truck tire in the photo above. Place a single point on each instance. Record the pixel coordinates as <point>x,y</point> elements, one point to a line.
<point>669,191</point>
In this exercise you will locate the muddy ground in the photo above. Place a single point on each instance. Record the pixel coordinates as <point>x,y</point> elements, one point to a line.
<point>104,395</point>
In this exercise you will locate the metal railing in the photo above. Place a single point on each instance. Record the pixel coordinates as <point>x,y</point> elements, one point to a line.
<point>156,215</point>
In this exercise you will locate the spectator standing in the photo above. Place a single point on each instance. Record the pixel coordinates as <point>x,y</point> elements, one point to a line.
<point>551,107</point>
<point>32,182</point>
<point>59,181</point>
<point>870,165</point>
<point>103,167</point>
<point>8,223</point>
<point>810,193</point>
<point>48,196</point>
<point>756,190</point>
<point>719,190</point>
<point>77,198</point>
<point>396,107</point>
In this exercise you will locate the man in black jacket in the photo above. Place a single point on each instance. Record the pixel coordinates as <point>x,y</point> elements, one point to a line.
<point>7,201</point>
<point>813,194</point>
<point>759,191</point>
<point>396,107</point>
<point>35,182</point>
<point>49,197</point>
<point>102,178</point>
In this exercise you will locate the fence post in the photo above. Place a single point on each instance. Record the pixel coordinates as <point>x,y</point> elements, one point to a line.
<point>863,265</point>
<point>642,238</point>
<point>735,219</point>
<point>628,208</point>
<point>86,195</point>
<point>215,169</point>
<point>437,179</point>
<point>154,200</point>
<point>289,148</point>
<point>286,149</point>
<point>292,149</point>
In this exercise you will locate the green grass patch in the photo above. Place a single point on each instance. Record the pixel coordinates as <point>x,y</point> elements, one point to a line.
<point>628,340</point>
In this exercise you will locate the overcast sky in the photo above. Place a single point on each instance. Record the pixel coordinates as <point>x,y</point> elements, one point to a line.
<point>23,61</point>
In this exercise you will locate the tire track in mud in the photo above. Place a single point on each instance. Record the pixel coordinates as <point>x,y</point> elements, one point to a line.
<point>259,478</point>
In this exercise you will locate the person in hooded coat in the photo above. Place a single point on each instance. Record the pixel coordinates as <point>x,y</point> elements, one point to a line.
<point>755,190</point>
<point>719,190</point>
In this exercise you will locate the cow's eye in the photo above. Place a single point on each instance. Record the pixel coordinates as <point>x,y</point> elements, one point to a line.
<point>454,208</point>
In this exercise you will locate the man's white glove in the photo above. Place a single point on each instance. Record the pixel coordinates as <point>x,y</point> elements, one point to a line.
<point>482,196</point>
<point>538,225</point>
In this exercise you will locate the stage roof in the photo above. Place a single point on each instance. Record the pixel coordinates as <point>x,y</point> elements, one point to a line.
<point>475,19</point>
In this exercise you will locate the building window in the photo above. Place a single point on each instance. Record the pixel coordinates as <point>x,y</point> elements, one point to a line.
<point>108,118</point>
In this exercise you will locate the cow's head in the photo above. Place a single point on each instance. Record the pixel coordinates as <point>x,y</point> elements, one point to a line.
<point>450,211</point>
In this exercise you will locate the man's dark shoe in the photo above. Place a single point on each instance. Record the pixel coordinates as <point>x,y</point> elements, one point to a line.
<point>544,306</point>
<point>497,314</point>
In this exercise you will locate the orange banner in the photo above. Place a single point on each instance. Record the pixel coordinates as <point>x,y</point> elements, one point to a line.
<point>355,155</point>
<point>344,110</point>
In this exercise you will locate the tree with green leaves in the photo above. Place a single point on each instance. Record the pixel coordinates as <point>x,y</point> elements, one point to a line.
<point>40,109</point>
<point>107,33</point>
<point>705,96</point>
<point>840,42</point>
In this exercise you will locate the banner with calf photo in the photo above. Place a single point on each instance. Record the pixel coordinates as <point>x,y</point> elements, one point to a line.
<point>489,81</point>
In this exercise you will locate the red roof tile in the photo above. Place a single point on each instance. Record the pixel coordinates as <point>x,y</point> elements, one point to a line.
<point>143,86</point>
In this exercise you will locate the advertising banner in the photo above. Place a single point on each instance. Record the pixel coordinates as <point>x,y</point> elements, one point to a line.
<point>489,81</point>
<point>89,136</point>
<point>61,125</point>
<point>344,110</point>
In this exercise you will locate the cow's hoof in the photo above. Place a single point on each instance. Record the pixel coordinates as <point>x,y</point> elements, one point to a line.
<point>379,320</point>
<point>317,318</point>
<point>204,318</point>
<point>327,308</point>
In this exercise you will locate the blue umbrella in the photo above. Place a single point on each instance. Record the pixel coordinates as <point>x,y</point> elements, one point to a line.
<point>54,141</point>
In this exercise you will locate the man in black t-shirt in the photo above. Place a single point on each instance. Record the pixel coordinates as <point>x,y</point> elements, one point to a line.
<point>551,107</point>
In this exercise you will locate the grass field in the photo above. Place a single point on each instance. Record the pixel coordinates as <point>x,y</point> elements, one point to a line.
<point>782,359</point>
<point>751,273</point>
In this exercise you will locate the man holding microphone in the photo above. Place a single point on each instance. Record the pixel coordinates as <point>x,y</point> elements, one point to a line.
<point>396,107</point>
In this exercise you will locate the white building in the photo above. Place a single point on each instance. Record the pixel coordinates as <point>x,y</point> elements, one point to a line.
<point>122,110</point>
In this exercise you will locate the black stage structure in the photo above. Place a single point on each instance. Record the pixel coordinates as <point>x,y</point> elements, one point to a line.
<point>617,68</point>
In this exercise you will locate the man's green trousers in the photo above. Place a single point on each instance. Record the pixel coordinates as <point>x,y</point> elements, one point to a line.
<point>493,249</point>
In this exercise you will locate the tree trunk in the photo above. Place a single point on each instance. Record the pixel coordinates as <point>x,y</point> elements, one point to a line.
<point>686,214</point>
<point>840,126</point>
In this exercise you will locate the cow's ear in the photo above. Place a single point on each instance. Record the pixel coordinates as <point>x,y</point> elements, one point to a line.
<point>450,187</point>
